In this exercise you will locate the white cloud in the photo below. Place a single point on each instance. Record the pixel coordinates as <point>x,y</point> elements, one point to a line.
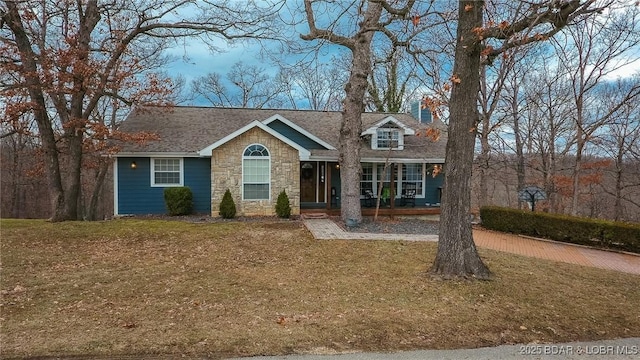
<point>625,71</point>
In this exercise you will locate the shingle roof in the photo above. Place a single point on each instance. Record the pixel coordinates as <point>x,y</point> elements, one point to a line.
<point>184,129</point>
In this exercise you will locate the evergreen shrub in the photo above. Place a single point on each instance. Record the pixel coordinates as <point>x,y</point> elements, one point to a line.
<point>283,208</point>
<point>179,200</point>
<point>227,206</point>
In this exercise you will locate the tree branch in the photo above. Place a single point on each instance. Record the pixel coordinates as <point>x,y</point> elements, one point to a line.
<point>323,34</point>
<point>554,13</point>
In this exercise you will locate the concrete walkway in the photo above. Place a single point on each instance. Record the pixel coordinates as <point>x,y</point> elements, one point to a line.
<point>619,349</point>
<point>327,229</point>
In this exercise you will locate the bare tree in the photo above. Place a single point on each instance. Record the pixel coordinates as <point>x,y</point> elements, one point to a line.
<point>492,84</point>
<point>247,86</point>
<point>22,186</point>
<point>512,110</point>
<point>549,134</point>
<point>393,81</point>
<point>354,27</point>
<point>67,55</point>
<point>590,51</point>
<point>357,39</point>
<point>621,141</point>
<point>314,85</point>
<point>530,22</point>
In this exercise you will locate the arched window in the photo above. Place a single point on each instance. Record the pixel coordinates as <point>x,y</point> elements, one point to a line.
<point>256,173</point>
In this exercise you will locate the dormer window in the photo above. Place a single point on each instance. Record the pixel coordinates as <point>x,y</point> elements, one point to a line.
<point>388,138</point>
<point>388,134</point>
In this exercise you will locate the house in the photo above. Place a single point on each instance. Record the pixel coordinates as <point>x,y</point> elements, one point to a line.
<point>257,153</point>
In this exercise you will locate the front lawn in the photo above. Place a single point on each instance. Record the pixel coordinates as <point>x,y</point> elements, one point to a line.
<point>144,287</point>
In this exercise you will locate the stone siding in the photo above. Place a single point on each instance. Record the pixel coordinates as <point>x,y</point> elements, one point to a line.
<point>226,173</point>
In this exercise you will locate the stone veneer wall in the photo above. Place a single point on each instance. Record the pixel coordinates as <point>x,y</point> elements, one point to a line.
<point>226,173</point>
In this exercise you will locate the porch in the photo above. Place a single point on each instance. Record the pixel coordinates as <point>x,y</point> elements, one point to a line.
<point>383,211</point>
<point>406,188</point>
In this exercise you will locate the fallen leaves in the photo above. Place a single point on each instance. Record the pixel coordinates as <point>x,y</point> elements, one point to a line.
<point>270,288</point>
<point>129,325</point>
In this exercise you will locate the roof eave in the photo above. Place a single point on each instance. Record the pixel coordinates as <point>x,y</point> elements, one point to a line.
<point>299,129</point>
<point>372,129</point>
<point>157,154</point>
<point>303,153</point>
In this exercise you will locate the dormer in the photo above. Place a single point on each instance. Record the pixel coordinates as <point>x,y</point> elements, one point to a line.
<point>388,134</point>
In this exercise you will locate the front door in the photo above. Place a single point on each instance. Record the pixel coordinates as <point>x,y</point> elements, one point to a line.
<point>308,175</point>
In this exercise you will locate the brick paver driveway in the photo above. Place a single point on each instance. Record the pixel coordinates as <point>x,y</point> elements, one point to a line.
<point>543,249</point>
<point>553,250</point>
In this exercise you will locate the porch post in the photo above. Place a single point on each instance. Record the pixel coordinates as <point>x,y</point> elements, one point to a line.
<point>328,185</point>
<point>393,187</point>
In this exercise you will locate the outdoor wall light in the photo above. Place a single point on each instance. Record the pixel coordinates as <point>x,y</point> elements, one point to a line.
<point>134,165</point>
<point>337,166</point>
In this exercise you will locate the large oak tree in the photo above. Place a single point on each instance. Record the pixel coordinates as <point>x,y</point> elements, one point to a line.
<point>65,56</point>
<point>477,41</point>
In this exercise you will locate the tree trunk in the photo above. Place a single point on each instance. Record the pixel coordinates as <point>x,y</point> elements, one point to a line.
<point>73,177</point>
<point>16,181</point>
<point>92,211</point>
<point>619,164</point>
<point>350,142</point>
<point>520,161</point>
<point>457,254</point>
<point>577,169</point>
<point>483,162</point>
<point>45,129</point>
<point>483,157</point>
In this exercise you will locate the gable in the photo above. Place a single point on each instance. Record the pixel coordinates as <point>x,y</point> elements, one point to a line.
<point>388,133</point>
<point>296,133</point>
<point>207,151</point>
<point>389,122</point>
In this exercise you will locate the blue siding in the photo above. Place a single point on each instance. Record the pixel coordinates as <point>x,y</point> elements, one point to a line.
<point>432,190</point>
<point>197,176</point>
<point>294,135</point>
<point>136,196</point>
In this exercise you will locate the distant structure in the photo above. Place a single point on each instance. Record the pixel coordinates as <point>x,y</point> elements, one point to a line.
<point>422,115</point>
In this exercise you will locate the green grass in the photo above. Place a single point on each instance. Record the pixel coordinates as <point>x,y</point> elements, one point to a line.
<point>134,287</point>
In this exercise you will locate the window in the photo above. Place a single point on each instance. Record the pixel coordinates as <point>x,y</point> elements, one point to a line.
<point>372,176</point>
<point>256,173</point>
<point>383,175</point>
<point>167,172</point>
<point>366,180</point>
<point>388,138</point>
<point>412,178</point>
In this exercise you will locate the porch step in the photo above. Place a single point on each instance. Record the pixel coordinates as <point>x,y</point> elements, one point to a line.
<point>315,216</point>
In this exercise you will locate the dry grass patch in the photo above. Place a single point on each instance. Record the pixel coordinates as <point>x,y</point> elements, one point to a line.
<point>133,287</point>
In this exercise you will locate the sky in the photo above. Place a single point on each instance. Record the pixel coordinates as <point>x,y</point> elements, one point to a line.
<point>195,59</point>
